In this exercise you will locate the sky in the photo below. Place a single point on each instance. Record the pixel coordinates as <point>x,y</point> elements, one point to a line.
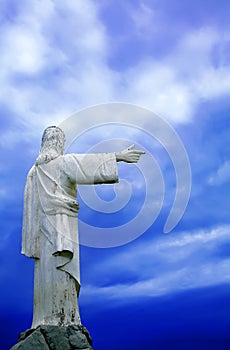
<point>132,66</point>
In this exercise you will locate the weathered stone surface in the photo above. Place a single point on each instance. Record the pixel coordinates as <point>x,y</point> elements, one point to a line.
<point>54,338</point>
<point>25,334</point>
<point>79,338</point>
<point>34,341</point>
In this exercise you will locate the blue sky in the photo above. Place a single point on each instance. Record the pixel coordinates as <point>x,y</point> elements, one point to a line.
<point>172,58</point>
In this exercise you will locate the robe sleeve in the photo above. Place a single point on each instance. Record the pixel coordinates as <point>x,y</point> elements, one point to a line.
<point>30,228</point>
<point>88,169</point>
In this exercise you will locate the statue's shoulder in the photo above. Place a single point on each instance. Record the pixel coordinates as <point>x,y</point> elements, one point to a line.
<point>70,157</point>
<point>31,172</point>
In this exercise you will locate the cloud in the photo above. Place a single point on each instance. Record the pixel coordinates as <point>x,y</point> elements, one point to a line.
<point>156,86</point>
<point>180,280</point>
<point>174,263</point>
<point>175,85</point>
<point>55,59</point>
<point>221,176</point>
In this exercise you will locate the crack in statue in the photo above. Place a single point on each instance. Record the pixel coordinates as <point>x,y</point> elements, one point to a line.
<point>50,221</point>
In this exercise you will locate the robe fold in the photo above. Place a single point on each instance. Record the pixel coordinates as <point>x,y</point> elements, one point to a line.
<point>50,231</point>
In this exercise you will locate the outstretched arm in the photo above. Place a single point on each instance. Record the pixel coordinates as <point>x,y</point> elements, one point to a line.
<point>129,155</point>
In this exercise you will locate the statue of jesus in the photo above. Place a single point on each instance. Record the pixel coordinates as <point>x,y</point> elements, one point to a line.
<point>50,230</point>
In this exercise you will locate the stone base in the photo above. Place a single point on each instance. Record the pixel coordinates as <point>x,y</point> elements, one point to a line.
<point>54,338</point>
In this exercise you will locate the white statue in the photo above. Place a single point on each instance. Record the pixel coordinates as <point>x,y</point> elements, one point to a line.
<point>50,233</point>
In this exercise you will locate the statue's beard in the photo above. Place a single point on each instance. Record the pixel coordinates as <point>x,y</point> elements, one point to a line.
<point>48,154</point>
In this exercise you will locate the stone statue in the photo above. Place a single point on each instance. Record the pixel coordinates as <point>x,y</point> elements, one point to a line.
<point>50,233</point>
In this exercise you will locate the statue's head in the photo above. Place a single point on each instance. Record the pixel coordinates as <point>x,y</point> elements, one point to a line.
<point>52,146</point>
<point>53,137</point>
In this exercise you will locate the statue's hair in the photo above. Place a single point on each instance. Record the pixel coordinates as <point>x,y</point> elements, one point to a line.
<point>53,136</point>
<point>52,146</point>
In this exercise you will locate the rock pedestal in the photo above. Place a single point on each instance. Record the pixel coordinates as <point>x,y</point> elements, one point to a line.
<point>72,337</point>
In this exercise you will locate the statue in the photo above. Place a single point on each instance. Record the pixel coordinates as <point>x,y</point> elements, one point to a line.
<point>50,218</point>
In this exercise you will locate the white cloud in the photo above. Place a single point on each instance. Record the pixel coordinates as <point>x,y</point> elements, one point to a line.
<point>55,60</point>
<point>23,51</point>
<point>174,86</point>
<point>176,262</point>
<point>210,274</point>
<point>221,176</point>
<point>158,87</point>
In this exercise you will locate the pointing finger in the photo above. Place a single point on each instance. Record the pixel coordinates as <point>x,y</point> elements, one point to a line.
<point>138,152</point>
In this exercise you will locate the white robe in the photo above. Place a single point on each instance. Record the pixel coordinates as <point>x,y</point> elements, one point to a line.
<point>50,231</point>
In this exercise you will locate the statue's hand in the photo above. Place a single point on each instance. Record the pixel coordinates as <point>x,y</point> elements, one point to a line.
<point>129,155</point>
